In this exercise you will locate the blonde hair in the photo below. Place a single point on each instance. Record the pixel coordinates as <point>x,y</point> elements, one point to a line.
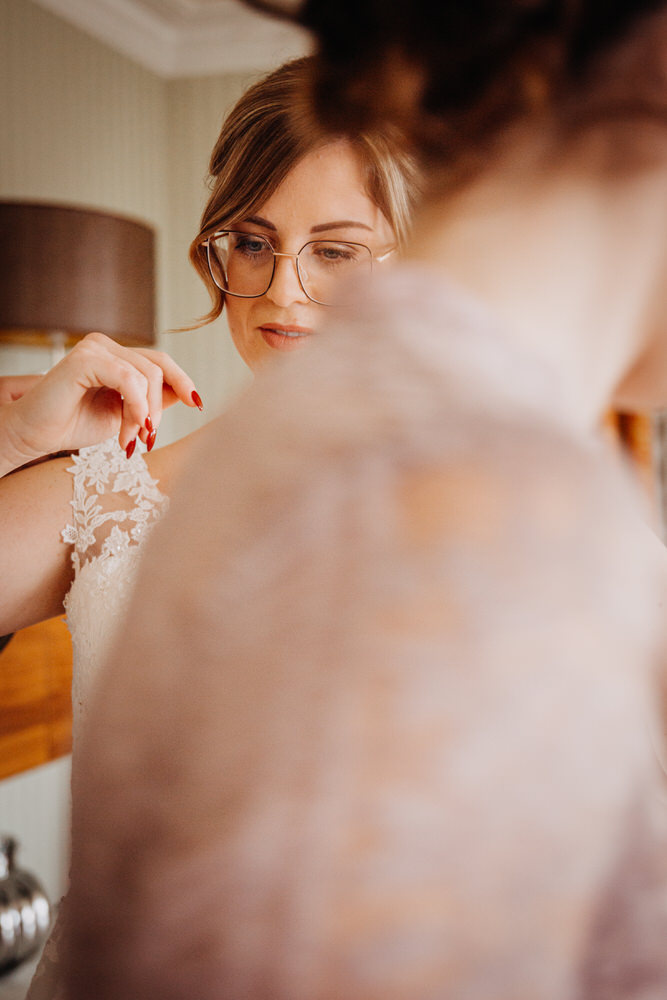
<point>264,136</point>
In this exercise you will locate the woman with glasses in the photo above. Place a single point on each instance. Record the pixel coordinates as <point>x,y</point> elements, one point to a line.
<point>341,207</point>
<point>425,761</point>
<point>293,214</point>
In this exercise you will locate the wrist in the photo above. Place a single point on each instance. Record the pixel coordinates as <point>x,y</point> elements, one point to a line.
<point>14,450</point>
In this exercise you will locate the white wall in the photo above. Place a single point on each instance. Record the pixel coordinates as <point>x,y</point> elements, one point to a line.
<point>195,108</point>
<point>34,808</point>
<point>80,125</point>
<point>83,125</point>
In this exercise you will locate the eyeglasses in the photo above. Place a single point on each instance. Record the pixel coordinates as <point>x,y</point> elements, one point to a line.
<point>243,264</point>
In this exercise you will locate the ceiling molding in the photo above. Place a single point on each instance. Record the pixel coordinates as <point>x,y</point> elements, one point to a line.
<point>178,38</point>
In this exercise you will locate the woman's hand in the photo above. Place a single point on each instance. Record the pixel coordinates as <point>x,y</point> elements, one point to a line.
<point>99,389</point>
<point>12,387</point>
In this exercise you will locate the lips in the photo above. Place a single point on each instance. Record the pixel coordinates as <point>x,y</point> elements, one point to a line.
<point>284,337</point>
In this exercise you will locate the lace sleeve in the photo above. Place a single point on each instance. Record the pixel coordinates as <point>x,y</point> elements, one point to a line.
<point>114,502</point>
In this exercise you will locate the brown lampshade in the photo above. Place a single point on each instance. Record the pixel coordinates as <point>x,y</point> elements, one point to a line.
<point>73,270</point>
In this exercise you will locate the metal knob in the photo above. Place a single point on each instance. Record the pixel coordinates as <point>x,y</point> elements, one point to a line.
<point>25,911</point>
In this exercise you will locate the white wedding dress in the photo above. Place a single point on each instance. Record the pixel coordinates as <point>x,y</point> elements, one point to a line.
<point>114,506</point>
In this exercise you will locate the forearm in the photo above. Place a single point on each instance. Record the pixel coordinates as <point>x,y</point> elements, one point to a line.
<point>35,564</point>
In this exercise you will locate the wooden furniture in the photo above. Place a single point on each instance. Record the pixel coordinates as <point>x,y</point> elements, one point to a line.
<point>35,697</point>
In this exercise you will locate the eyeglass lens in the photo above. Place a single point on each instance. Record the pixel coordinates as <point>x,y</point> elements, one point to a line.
<point>243,264</point>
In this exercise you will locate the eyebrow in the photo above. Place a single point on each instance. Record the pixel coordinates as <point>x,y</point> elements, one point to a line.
<point>342,224</point>
<point>324,227</point>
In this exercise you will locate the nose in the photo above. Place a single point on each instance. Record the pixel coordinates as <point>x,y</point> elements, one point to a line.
<point>285,287</point>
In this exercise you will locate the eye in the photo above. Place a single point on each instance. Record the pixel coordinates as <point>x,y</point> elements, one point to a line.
<point>334,253</point>
<point>252,247</point>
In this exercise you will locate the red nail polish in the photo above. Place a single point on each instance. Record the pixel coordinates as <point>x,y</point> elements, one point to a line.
<point>129,451</point>
<point>150,440</point>
<point>196,399</point>
<point>149,423</point>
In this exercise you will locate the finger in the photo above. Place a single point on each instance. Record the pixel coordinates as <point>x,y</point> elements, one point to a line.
<point>177,383</point>
<point>95,365</point>
<point>102,361</point>
<point>137,377</point>
<point>154,377</point>
<point>148,363</point>
<point>165,389</point>
<point>133,387</point>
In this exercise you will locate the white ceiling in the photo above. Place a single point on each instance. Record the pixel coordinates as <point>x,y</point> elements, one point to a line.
<point>185,37</point>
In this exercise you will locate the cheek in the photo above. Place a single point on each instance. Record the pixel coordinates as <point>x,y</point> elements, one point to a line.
<point>249,345</point>
<point>237,315</point>
<point>234,313</point>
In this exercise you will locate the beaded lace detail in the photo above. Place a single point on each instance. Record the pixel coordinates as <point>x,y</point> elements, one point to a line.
<point>115,504</point>
<point>104,469</point>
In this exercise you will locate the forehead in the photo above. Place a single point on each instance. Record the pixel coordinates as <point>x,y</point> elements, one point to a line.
<point>325,185</point>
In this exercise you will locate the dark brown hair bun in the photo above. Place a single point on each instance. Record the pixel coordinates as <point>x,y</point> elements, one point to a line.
<point>480,63</point>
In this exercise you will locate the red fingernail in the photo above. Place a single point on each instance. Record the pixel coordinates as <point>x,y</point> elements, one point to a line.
<point>196,399</point>
<point>129,451</point>
<point>150,440</point>
<point>149,423</point>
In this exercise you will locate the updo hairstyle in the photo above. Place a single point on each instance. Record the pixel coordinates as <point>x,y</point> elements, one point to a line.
<point>455,73</point>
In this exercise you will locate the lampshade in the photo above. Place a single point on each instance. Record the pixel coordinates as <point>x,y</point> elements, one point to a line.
<point>67,271</point>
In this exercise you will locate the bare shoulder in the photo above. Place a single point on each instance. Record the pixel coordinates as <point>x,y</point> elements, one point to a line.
<point>165,464</point>
<point>532,521</point>
<point>533,482</point>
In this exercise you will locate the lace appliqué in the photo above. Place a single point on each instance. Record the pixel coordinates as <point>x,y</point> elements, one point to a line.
<point>110,488</point>
<point>115,505</point>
